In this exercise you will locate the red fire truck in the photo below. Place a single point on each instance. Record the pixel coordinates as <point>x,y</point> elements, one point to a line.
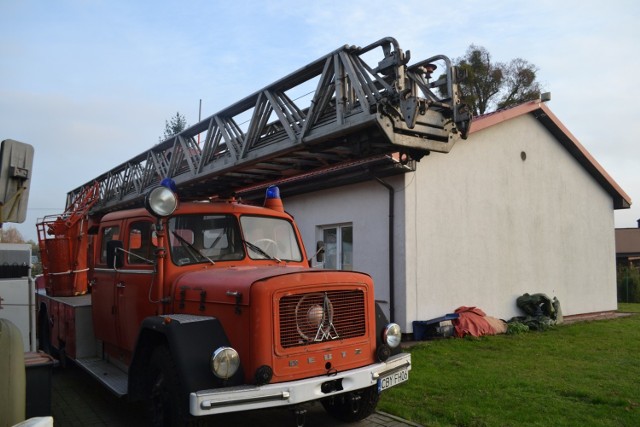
<point>166,280</point>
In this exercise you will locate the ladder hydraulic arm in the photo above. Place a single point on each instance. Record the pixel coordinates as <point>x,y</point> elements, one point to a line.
<point>337,109</point>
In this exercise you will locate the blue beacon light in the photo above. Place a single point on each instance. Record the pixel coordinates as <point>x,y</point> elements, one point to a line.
<point>272,199</point>
<point>170,184</point>
<point>273,192</point>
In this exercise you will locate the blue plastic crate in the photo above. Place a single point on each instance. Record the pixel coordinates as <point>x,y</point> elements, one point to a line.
<point>424,329</point>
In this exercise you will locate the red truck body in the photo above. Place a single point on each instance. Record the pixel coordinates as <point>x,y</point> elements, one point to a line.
<point>314,333</point>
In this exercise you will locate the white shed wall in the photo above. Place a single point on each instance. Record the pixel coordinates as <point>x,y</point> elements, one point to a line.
<point>484,227</point>
<point>479,227</point>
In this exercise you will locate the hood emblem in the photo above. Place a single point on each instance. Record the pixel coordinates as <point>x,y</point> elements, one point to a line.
<point>314,318</point>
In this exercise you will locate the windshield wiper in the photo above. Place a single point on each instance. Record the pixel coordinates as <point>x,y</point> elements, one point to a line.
<point>257,249</point>
<point>193,250</point>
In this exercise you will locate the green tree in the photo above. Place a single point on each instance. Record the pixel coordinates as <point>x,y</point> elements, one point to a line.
<point>490,86</point>
<point>177,124</point>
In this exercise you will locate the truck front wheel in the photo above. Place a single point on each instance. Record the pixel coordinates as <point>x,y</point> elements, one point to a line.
<point>167,405</point>
<point>354,406</point>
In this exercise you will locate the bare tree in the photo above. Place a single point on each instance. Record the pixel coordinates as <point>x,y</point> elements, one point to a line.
<point>520,84</point>
<point>495,85</point>
<point>11,235</point>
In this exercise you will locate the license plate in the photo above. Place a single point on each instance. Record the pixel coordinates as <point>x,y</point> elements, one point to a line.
<point>393,378</point>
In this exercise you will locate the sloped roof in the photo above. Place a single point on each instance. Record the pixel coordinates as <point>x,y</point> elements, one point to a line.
<point>543,114</point>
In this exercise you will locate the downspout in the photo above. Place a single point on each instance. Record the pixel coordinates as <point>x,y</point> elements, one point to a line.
<point>392,287</point>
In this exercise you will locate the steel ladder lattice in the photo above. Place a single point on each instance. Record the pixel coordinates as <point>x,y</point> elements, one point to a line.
<point>356,111</point>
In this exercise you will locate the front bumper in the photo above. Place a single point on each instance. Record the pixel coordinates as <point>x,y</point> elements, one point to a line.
<point>243,398</point>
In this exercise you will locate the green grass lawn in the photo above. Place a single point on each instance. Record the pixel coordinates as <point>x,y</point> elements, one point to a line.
<point>583,374</point>
<point>628,308</point>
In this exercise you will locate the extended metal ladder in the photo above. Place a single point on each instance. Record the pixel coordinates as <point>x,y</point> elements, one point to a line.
<point>355,111</point>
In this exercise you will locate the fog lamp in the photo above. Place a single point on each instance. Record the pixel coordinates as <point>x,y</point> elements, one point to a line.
<point>225,362</point>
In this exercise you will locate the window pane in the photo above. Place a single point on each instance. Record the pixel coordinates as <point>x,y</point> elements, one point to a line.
<point>330,237</point>
<point>347,248</point>
<point>108,234</point>
<point>273,237</point>
<point>141,243</point>
<point>204,238</point>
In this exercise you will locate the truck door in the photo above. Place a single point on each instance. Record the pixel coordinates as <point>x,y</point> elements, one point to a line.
<point>103,286</point>
<point>134,282</point>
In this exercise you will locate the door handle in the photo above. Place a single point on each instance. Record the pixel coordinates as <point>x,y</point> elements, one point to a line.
<point>120,285</point>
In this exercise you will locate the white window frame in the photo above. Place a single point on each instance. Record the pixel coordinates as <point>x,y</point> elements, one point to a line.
<point>336,249</point>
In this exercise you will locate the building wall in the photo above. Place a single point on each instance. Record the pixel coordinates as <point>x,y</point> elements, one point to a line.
<point>486,226</point>
<point>479,227</point>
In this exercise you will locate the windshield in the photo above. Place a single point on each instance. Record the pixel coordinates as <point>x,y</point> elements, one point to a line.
<point>195,239</point>
<point>204,238</point>
<point>270,238</point>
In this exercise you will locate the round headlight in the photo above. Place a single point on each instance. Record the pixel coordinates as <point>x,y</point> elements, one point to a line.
<point>161,201</point>
<point>225,361</point>
<point>315,315</point>
<point>392,335</point>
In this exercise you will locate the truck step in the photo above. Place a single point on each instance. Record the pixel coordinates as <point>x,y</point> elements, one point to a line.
<point>113,378</point>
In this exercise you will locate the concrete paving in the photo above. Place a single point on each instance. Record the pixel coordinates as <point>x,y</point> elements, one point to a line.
<point>79,400</point>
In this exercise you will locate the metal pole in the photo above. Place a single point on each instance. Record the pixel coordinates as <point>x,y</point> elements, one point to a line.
<point>199,117</point>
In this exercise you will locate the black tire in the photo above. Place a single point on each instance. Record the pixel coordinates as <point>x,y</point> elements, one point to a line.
<point>167,405</point>
<point>345,408</point>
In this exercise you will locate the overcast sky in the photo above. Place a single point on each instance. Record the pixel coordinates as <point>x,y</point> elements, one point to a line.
<point>90,83</point>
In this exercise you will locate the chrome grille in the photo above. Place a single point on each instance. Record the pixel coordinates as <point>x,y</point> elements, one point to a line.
<point>321,316</point>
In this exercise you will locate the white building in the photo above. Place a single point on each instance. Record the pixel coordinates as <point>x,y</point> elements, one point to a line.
<point>519,207</point>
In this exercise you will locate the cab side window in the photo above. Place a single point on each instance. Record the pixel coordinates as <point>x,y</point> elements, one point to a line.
<point>108,234</point>
<point>142,243</point>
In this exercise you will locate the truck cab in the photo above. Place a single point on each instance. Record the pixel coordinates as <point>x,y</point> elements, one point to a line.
<point>205,307</point>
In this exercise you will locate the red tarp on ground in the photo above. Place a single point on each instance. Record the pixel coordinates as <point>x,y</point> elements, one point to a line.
<point>473,321</point>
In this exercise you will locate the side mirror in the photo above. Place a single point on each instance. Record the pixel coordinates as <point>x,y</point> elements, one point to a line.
<point>115,254</point>
<point>320,251</point>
